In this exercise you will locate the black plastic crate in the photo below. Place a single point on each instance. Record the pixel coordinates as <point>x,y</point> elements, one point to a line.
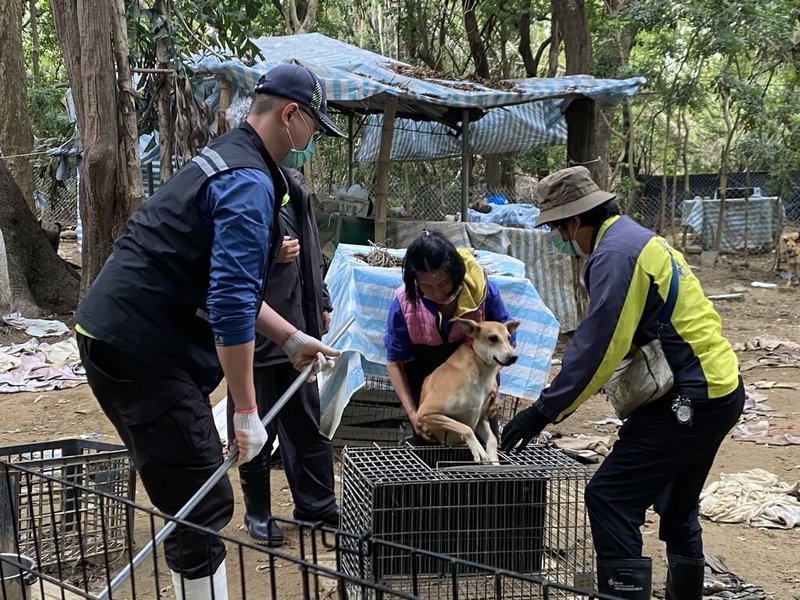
<point>53,519</point>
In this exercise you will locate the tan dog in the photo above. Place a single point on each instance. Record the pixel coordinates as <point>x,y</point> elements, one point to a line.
<point>791,251</point>
<point>456,396</point>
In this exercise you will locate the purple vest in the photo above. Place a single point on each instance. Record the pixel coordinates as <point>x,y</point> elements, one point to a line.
<point>421,322</point>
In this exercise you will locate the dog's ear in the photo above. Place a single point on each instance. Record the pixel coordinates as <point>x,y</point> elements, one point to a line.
<point>794,236</point>
<point>512,326</point>
<point>470,327</point>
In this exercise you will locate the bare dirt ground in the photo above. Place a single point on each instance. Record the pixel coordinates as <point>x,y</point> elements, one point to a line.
<point>767,557</point>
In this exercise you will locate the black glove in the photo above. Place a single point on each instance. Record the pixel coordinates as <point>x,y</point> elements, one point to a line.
<point>520,430</point>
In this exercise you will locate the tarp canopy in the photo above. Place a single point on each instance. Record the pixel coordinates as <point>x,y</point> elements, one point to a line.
<point>506,129</point>
<point>357,80</point>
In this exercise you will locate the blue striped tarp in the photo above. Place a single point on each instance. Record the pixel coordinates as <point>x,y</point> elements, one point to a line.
<point>550,271</point>
<point>763,219</point>
<point>509,129</point>
<point>367,293</point>
<point>352,75</point>
<point>358,79</point>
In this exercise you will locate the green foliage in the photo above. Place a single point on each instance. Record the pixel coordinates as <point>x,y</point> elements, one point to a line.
<point>46,97</point>
<point>47,110</point>
<point>697,55</point>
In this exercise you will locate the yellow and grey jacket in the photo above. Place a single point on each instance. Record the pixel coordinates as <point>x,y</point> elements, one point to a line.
<point>627,277</point>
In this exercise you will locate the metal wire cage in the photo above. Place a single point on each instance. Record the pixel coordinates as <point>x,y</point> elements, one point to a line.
<point>525,515</point>
<point>373,415</point>
<point>317,563</point>
<point>57,521</point>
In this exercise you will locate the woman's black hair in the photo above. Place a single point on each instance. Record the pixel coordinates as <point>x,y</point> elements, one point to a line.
<point>593,217</point>
<point>431,251</point>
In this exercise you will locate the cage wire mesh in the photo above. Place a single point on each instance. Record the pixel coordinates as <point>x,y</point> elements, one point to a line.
<point>373,415</point>
<point>55,519</point>
<point>525,515</point>
<point>56,201</point>
<point>424,191</point>
<point>314,565</point>
<point>431,190</point>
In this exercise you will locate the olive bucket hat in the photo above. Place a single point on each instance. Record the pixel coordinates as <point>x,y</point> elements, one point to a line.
<point>567,193</point>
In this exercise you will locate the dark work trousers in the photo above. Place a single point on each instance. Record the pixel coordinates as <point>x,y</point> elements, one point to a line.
<point>657,461</point>
<point>306,452</point>
<point>169,430</point>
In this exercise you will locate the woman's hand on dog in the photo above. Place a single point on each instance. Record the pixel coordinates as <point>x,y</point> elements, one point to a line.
<point>421,430</point>
<point>491,407</point>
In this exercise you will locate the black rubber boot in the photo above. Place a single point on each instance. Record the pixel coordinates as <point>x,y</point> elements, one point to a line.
<point>685,577</point>
<point>254,477</point>
<point>625,578</point>
<point>331,519</point>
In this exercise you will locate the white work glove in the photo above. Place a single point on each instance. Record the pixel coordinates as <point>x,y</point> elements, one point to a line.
<point>250,434</point>
<point>302,349</point>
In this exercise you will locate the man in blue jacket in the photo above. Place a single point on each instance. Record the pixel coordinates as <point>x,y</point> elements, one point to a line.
<point>180,297</point>
<point>666,447</point>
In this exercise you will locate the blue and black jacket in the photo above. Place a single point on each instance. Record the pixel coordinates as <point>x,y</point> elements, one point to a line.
<point>627,277</point>
<point>186,275</point>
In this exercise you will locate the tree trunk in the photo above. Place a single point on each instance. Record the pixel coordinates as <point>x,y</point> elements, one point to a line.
<point>477,49</point>
<point>492,171</point>
<point>40,281</point>
<point>16,135</point>
<point>302,21</point>
<point>627,117</point>
<point>730,128</point>
<point>35,50</point>
<point>555,46</point>
<point>84,30</point>
<point>524,25</point>
<point>574,27</point>
<point>507,179</point>
<point>662,207</point>
<point>131,169</point>
<point>617,48</point>
<point>164,93</point>
<point>580,115</point>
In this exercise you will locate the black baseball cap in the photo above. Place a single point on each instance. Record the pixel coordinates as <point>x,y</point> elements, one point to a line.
<point>297,83</point>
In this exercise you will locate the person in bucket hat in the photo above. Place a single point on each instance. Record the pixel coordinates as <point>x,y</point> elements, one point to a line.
<point>178,304</point>
<point>666,447</point>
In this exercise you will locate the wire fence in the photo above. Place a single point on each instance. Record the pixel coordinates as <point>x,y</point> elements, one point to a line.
<point>434,193</point>
<point>318,563</point>
<point>56,201</point>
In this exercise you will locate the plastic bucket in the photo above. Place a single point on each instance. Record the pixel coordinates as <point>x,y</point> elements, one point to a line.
<point>16,576</point>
